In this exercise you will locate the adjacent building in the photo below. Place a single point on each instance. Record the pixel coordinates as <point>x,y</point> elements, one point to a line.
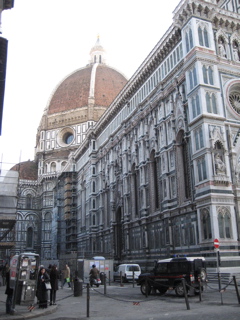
<point>8,180</point>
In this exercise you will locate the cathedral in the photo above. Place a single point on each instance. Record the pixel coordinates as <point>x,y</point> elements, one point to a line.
<point>146,168</point>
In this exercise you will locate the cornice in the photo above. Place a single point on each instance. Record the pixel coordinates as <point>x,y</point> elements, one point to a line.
<point>153,60</point>
<point>207,11</point>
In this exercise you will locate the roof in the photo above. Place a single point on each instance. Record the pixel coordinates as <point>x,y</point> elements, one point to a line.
<point>28,170</point>
<point>97,81</point>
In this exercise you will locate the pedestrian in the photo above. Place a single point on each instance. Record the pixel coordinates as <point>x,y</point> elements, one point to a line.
<point>8,292</point>
<point>94,274</point>
<point>42,291</point>
<point>4,273</point>
<point>66,276</point>
<point>54,284</point>
<point>49,269</point>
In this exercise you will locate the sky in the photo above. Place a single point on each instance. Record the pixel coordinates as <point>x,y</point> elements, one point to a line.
<point>49,39</point>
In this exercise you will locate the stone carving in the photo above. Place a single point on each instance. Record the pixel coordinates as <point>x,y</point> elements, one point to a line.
<point>220,166</point>
<point>236,53</point>
<point>221,48</point>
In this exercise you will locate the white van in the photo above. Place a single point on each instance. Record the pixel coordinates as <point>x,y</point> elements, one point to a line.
<point>126,270</point>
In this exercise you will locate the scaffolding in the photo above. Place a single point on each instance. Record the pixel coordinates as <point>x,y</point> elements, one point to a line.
<point>8,207</point>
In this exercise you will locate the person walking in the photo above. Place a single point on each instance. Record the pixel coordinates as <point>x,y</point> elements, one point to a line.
<point>42,291</point>
<point>49,269</point>
<point>67,274</point>
<point>54,284</point>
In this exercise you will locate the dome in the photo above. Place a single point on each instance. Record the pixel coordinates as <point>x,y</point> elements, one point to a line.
<point>28,170</point>
<point>97,82</point>
<point>85,94</point>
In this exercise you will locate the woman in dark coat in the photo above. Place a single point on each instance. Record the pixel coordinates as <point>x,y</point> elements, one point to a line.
<point>42,293</point>
<point>54,284</point>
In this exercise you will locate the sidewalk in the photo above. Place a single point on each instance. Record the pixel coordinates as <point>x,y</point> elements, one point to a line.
<point>127,303</point>
<point>22,312</point>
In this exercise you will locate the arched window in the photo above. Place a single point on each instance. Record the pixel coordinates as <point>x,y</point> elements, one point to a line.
<point>224,224</point>
<point>199,142</point>
<point>93,186</point>
<point>200,36</point>
<point>30,237</point>
<point>194,107</point>
<point>207,75</point>
<point>206,224</point>
<point>187,43</point>
<point>53,167</point>
<point>135,191</point>
<point>63,164</point>
<point>154,183</point>
<point>191,79</point>
<point>194,76</point>
<point>107,211</point>
<point>208,102</point>
<point>29,201</point>
<point>203,37</point>
<point>190,38</point>
<point>198,105</point>
<point>201,169</point>
<point>214,104</point>
<point>211,103</point>
<point>94,219</point>
<point>210,75</point>
<point>47,226</point>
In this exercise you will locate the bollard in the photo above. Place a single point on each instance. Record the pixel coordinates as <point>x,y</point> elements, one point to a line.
<point>236,287</point>
<point>105,284</point>
<point>88,300</point>
<point>133,279</point>
<point>109,278</point>
<point>185,294</point>
<point>77,287</point>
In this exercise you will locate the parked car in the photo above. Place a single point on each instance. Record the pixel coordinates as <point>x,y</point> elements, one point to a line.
<point>127,270</point>
<point>168,273</point>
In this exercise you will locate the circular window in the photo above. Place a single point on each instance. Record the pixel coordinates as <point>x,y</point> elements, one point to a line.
<point>65,137</point>
<point>68,138</point>
<point>233,94</point>
<point>234,99</point>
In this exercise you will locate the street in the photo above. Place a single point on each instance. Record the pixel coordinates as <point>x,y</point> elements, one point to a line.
<point>127,302</point>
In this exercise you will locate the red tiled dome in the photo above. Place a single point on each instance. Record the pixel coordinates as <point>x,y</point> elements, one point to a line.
<point>75,90</point>
<point>28,170</point>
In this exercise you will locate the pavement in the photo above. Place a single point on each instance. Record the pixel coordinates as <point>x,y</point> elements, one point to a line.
<point>22,311</point>
<point>125,302</point>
